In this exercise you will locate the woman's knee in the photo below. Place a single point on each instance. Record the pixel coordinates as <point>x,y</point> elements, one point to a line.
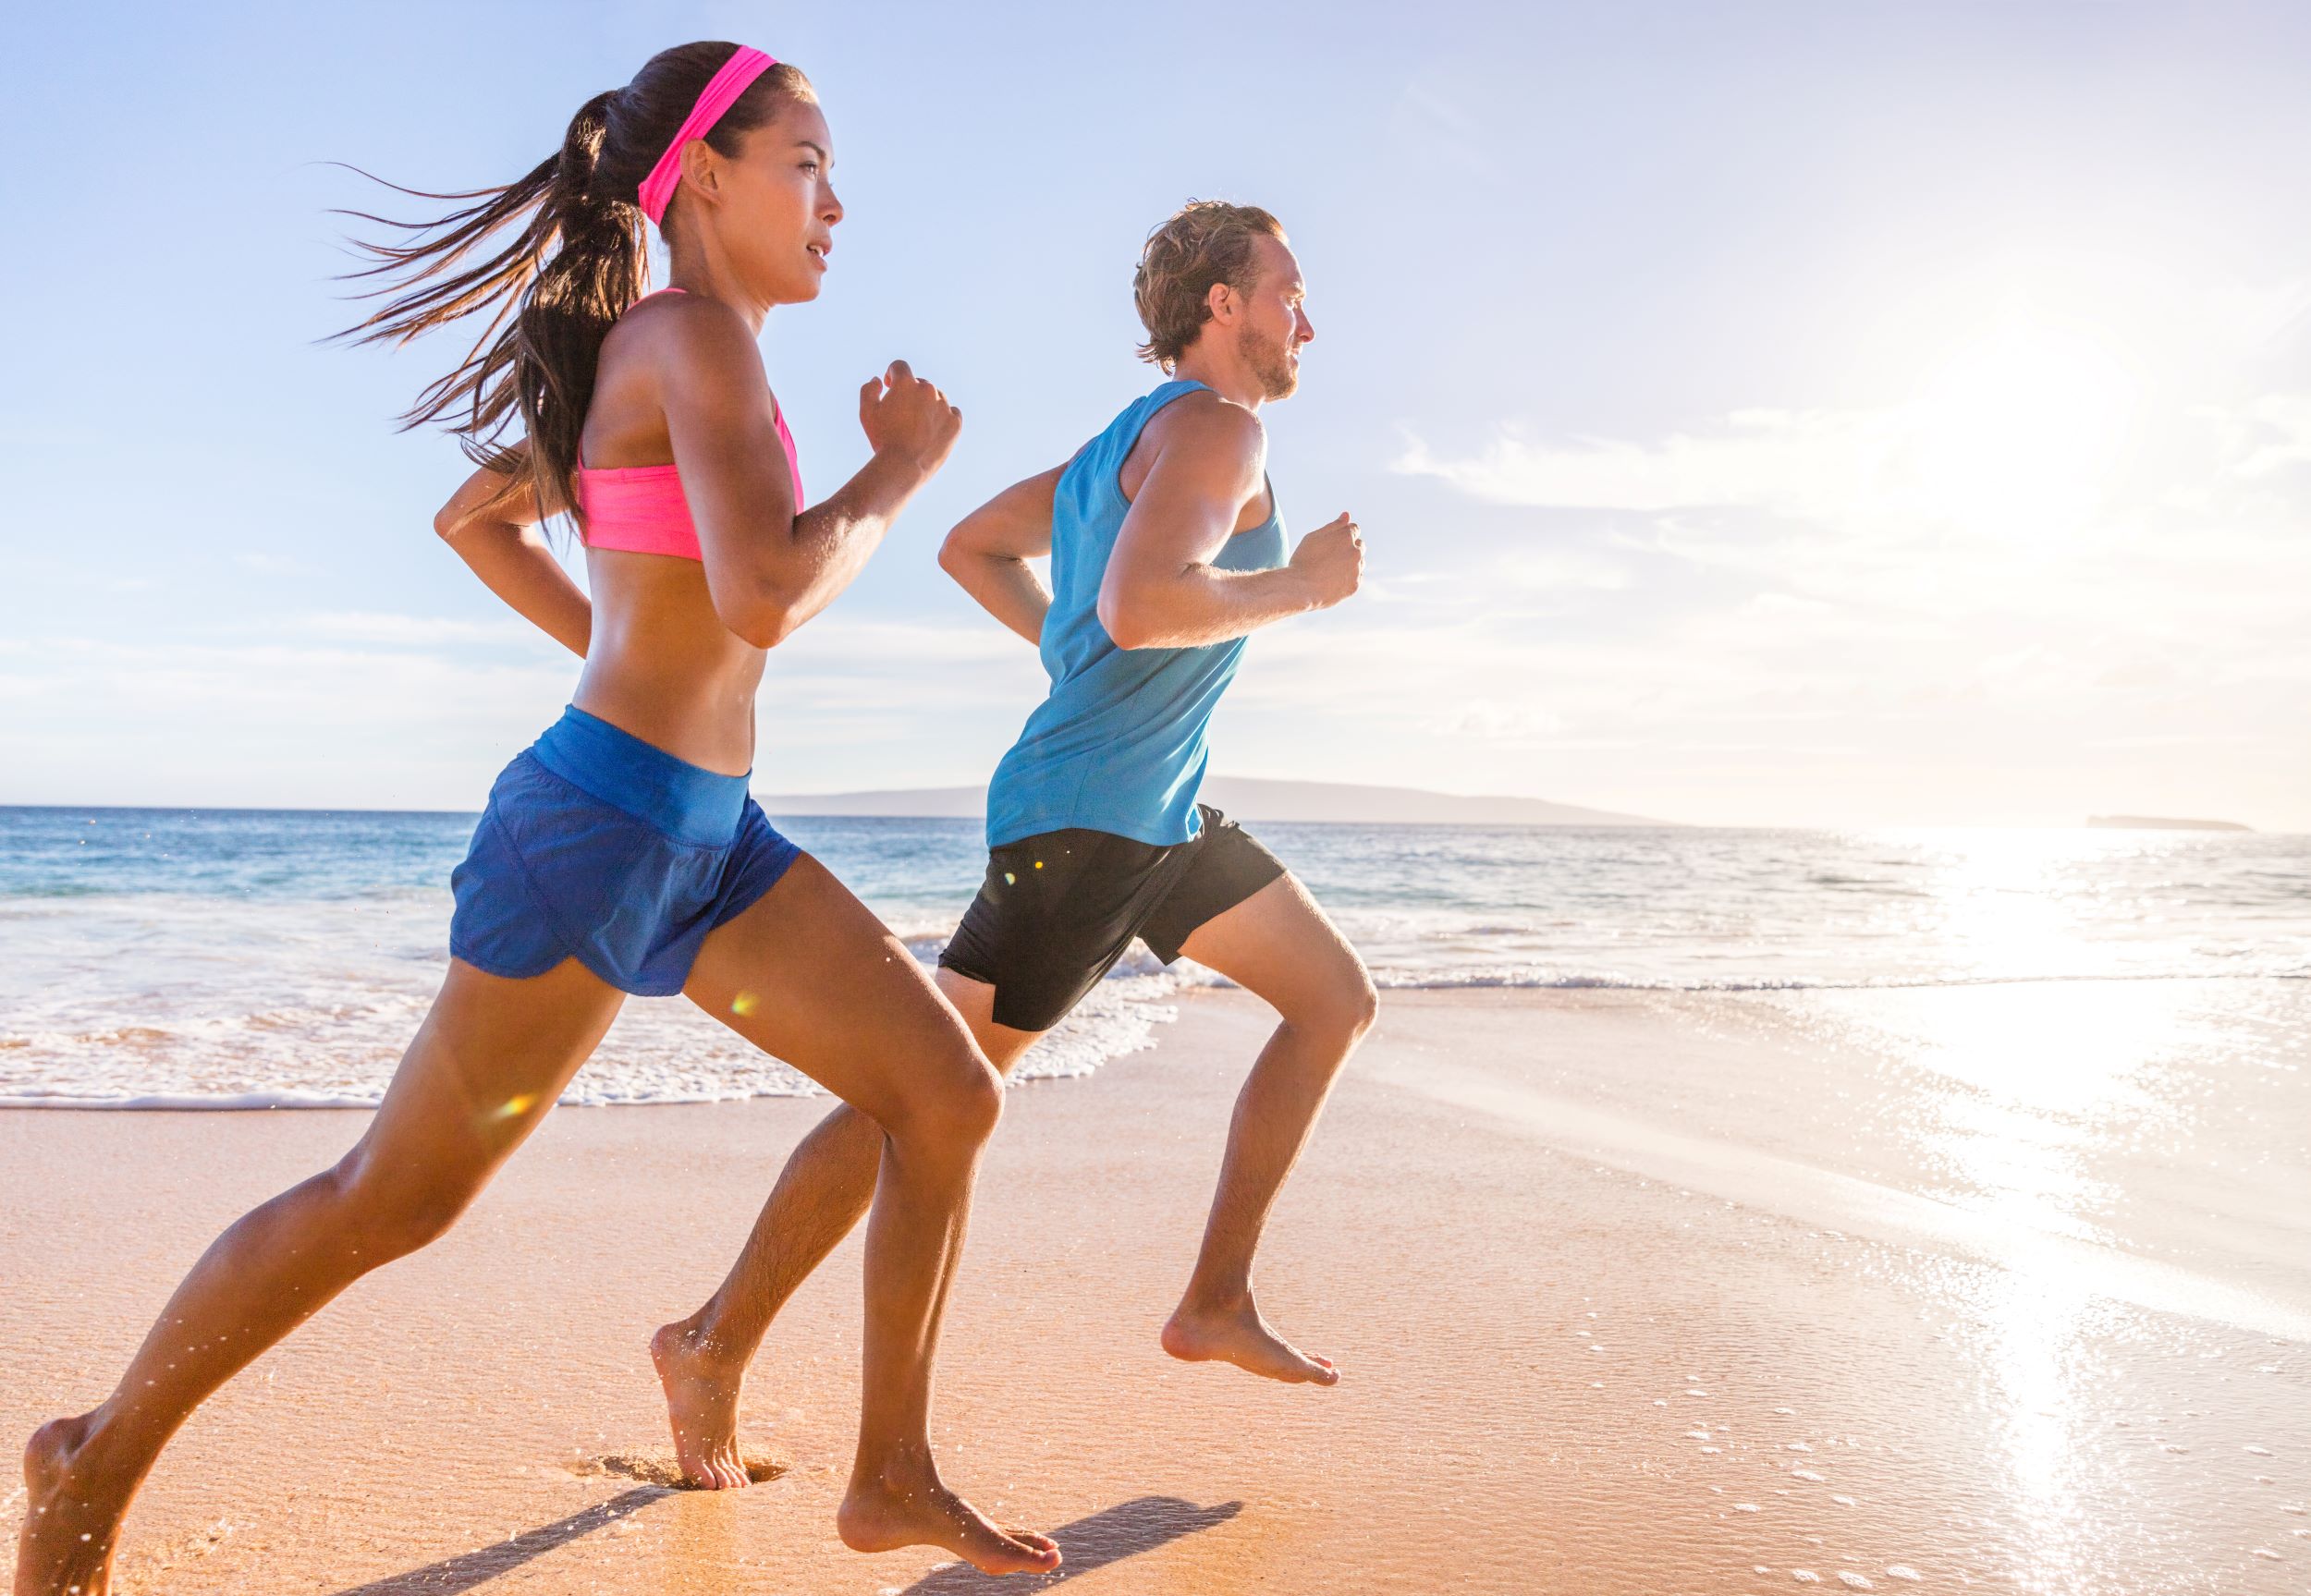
<point>957,1100</point>
<point>389,1215</point>
<point>972,1095</point>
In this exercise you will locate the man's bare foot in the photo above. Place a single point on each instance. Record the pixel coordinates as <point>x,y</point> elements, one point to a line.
<point>67,1545</point>
<point>1238,1334</point>
<point>885,1513</point>
<point>702,1402</point>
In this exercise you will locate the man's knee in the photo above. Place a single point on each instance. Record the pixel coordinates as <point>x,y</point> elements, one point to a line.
<point>1007,1047</point>
<point>1342,1009</point>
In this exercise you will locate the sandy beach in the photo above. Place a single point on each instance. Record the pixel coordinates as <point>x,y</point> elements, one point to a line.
<point>1589,1346</point>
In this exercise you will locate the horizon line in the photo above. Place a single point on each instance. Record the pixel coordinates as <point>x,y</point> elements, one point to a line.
<point>1641,825</point>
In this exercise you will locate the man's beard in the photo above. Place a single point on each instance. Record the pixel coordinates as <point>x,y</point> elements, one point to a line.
<point>1269,363</point>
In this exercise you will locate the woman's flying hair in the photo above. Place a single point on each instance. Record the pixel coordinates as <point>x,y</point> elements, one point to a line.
<point>578,258</point>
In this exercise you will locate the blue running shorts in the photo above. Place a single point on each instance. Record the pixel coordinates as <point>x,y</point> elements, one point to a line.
<point>600,848</point>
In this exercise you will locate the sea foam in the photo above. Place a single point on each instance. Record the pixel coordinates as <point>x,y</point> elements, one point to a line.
<point>272,958</point>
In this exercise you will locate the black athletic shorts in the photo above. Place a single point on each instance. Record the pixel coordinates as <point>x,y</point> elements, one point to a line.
<point>1058,910</point>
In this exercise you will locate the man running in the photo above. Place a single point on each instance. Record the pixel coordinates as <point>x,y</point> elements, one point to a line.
<point>1167,551</point>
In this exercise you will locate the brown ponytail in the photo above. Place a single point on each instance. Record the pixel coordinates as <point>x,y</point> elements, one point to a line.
<point>552,292</point>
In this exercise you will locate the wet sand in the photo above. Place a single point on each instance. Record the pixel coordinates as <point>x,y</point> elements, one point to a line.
<point>1585,1351</point>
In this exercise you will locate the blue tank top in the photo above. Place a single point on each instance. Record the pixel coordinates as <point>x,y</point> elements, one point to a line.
<point>1118,746</point>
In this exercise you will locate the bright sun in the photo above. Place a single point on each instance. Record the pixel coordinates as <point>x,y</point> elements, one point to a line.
<point>2020,434</point>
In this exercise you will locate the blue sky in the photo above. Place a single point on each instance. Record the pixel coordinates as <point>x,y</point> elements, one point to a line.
<point>1815,414</point>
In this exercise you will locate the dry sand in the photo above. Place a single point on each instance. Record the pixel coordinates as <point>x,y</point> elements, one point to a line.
<point>1561,1375</point>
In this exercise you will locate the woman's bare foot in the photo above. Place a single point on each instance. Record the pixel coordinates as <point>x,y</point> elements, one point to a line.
<point>885,1513</point>
<point>702,1402</point>
<point>1238,1334</point>
<point>67,1545</point>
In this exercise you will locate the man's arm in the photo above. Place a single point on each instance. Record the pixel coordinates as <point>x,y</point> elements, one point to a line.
<point>1161,588</point>
<point>987,552</point>
<point>497,535</point>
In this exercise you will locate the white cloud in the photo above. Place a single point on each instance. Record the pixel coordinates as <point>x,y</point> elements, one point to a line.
<point>1806,463</point>
<point>342,627</point>
<point>1779,589</point>
<point>396,710</point>
<point>2264,436</point>
<point>1565,568</point>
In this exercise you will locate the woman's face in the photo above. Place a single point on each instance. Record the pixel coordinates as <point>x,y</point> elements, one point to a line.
<point>778,210</point>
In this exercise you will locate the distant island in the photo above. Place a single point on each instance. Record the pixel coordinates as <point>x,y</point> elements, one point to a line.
<point>1246,798</point>
<point>2155,822</point>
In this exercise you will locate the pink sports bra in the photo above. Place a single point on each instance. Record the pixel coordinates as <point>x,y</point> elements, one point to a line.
<point>641,510</point>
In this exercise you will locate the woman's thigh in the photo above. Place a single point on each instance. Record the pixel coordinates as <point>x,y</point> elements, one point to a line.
<point>491,1058</point>
<point>808,974</point>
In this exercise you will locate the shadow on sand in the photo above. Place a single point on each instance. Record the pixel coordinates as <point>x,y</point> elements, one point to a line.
<point>1108,1536</point>
<point>468,1569</point>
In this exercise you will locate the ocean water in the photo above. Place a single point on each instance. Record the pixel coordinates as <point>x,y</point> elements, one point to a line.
<point>158,957</point>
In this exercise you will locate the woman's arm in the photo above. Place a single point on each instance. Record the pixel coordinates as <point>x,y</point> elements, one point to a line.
<point>988,551</point>
<point>497,535</point>
<point>771,564</point>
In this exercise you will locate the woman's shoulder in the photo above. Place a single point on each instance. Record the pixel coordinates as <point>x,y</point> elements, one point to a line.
<point>691,336</point>
<point>672,316</point>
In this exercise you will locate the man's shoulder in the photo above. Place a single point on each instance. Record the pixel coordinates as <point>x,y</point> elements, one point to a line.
<point>1202,420</point>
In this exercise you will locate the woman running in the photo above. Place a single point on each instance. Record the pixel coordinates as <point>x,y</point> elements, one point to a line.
<point>622,853</point>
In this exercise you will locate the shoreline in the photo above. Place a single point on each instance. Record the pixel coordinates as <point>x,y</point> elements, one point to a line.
<point>1123,1016</point>
<point>1562,1374</point>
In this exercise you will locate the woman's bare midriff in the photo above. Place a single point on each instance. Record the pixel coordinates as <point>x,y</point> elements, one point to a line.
<point>662,665</point>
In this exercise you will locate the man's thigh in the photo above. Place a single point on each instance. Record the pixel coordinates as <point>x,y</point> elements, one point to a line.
<point>1281,946</point>
<point>1054,915</point>
<point>975,1000</point>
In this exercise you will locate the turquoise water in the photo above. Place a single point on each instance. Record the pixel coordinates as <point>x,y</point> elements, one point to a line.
<point>283,957</point>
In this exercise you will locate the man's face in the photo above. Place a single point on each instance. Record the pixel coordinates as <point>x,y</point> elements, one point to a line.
<point>1276,320</point>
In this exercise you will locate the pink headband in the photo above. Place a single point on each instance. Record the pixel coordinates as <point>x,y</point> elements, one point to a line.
<point>721,93</point>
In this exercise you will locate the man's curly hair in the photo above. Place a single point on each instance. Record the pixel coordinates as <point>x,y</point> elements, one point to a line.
<point>1207,241</point>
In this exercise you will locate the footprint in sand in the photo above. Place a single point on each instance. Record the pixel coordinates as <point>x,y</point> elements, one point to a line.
<point>660,1468</point>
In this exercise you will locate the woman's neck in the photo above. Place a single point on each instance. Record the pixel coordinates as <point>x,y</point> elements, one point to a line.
<point>696,266</point>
